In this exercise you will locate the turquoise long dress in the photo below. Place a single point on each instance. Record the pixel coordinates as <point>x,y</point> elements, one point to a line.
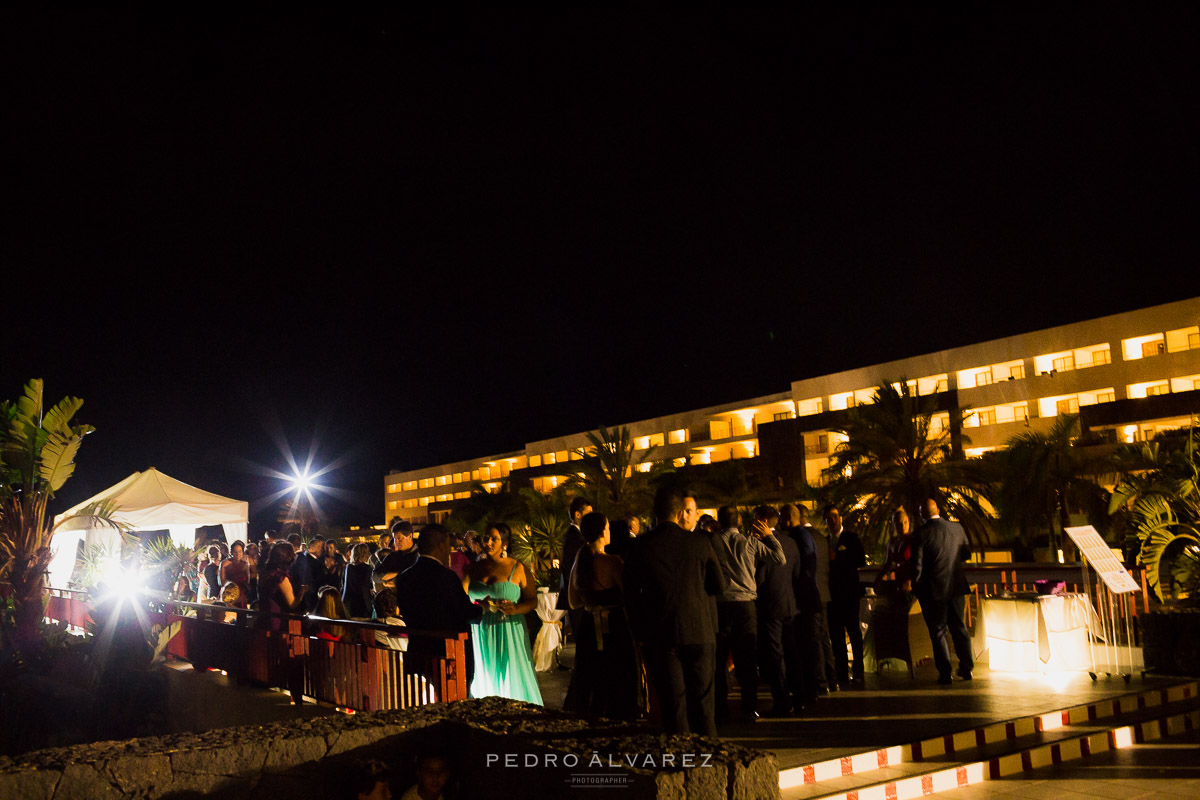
<point>503,665</point>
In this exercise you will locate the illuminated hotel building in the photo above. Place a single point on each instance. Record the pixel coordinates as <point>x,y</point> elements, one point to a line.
<point>1128,376</point>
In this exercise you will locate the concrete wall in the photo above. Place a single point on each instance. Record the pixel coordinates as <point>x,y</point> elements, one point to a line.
<point>502,747</point>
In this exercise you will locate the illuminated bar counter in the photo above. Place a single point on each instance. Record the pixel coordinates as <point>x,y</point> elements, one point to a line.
<point>1039,633</point>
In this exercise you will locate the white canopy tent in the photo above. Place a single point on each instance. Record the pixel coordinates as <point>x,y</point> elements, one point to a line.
<point>146,501</point>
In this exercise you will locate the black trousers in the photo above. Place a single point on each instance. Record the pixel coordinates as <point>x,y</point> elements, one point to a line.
<point>736,632</point>
<point>808,639</point>
<point>825,672</point>
<point>782,662</point>
<point>944,617</point>
<point>843,624</point>
<point>683,679</point>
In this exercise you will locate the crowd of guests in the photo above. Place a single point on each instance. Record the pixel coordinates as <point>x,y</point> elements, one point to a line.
<point>773,594</point>
<point>658,617</point>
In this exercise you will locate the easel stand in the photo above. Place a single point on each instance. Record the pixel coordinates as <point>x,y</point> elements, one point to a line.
<point>1114,656</point>
<point>1112,602</point>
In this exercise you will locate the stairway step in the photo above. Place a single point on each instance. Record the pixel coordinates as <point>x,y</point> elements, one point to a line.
<point>968,740</point>
<point>947,776</point>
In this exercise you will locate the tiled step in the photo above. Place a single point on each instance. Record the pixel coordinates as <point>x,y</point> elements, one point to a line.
<point>948,776</point>
<point>994,750</point>
<point>1164,767</point>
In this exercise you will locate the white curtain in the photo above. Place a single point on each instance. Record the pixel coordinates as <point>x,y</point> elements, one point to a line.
<point>234,531</point>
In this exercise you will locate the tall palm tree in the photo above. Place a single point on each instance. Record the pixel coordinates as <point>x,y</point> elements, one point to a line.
<point>610,472</point>
<point>37,456</point>
<point>893,456</point>
<point>1045,477</point>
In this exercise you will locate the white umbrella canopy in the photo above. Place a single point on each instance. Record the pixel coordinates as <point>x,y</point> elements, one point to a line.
<point>146,501</point>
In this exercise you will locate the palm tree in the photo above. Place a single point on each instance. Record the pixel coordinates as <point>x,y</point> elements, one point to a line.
<point>538,537</point>
<point>894,456</point>
<point>610,472</point>
<point>1160,499</point>
<point>1044,477</point>
<point>37,456</point>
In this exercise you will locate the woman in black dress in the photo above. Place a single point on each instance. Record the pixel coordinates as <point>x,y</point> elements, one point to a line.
<point>605,680</point>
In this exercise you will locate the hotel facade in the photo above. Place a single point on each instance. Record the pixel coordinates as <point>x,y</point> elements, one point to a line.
<point>1129,376</point>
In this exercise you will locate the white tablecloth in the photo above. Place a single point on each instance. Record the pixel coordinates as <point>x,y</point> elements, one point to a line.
<point>549,638</point>
<point>1039,634</point>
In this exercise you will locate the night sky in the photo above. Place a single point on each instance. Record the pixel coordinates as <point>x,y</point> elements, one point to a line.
<point>414,238</point>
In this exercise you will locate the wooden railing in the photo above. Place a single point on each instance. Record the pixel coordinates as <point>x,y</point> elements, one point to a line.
<point>352,672</point>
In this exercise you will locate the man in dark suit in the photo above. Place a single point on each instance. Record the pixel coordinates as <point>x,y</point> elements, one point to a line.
<point>308,570</point>
<point>572,542</point>
<point>430,597</point>
<point>399,559</point>
<point>777,652</point>
<point>846,555</point>
<point>672,579</point>
<point>938,551</point>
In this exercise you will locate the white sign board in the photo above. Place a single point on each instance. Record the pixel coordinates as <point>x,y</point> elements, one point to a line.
<point>1100,556</point>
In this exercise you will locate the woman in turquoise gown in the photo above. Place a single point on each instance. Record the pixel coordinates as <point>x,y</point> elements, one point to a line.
<point>507,592</point>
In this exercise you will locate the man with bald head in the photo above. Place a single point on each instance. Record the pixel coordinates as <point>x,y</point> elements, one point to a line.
<point>939,549</point>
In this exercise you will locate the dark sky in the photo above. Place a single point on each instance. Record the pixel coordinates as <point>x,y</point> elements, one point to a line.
<point>422,238</point>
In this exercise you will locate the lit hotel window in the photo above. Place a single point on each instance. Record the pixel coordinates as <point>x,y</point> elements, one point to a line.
<point>1067,360</point>
<point>677,437</point>
<point>535,461</point>
<point>837,402</point>
<point>932,384</point>
<point>1152,344</point>
<point>813,405</point>
<point>1186,383</point>
<point>1183,339</point>
<point>410,486</point>
<point>1148,389</point>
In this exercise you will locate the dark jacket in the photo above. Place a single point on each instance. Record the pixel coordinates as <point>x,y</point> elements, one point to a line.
<point>358,592</point>
<point>397,561</point>
<point>844,586</point>
<point>777,582</point>
<point>939,549</point>
<point>808,595</point>
<point>430,597</point>
<point>672,580</point>
<point>572,542</point>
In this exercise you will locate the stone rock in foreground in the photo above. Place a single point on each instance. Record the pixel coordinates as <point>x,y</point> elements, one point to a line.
<point>495,745</point>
